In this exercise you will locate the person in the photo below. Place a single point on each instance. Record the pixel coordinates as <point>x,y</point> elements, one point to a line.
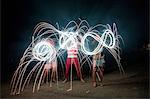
<point>50,67</point>
<point>72,58</point>
<point>98,68</point>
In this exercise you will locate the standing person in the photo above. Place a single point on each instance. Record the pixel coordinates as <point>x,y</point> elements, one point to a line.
<point>52,65</point>
<point>54,70</point>
<point>47,68</point>
<point>98,68</point>
<point>72,58</point>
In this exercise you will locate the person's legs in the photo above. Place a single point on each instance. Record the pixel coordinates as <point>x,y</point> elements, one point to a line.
<point>68,65</point>
<point>100,71</point>
<point>94,77</point>
<point>78,69</point>
<point>101,75</point>
<point>76,66</point>
<point>44,76</point>
<point>47,71</point>
<point>94,73</point>
<point>53,75</point>
<point>54,69</point>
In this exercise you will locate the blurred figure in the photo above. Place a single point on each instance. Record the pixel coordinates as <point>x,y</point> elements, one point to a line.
<point>98,68</point>
<point>72,58</point>
<point>50,68</point>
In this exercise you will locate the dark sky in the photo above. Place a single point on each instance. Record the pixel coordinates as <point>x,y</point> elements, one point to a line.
<point>20,16</point>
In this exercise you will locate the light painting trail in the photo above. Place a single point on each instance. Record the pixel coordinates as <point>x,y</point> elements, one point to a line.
<point>50,43</point>
<point>44,51</point>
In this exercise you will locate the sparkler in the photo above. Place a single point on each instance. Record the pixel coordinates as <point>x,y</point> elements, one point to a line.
<point>42,51</point>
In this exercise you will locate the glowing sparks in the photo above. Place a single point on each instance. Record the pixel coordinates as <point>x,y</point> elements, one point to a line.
<point>44,51</point>
<point>101,40</point>
<point>68,40</point>
<point>79,35</point>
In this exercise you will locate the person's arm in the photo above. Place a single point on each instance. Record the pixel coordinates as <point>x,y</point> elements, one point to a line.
<point>94,61</point>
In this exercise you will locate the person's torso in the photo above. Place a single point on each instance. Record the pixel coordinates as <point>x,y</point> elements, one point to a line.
<point>72,53</point>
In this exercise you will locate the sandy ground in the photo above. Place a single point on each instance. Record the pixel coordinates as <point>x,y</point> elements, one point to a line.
<point>132,85</point>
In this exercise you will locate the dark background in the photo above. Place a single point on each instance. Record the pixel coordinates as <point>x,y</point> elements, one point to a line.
<point>20,16</point>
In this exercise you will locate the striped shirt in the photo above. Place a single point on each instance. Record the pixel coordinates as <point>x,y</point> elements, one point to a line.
<point>72,53</point>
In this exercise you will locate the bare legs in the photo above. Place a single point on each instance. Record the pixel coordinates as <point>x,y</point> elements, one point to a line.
<point>99,73</point>
<point>94,77</point>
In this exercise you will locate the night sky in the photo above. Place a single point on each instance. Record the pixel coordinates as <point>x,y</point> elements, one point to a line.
<point>20,16</point>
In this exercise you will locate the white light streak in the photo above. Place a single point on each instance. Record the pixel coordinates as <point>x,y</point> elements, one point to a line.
<point>74,34</point>
<point>44,51</point>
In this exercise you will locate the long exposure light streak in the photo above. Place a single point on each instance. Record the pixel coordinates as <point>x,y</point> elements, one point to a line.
<point>41,50</point>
